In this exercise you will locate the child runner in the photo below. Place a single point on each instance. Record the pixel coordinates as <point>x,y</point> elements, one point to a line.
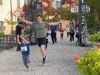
<point>61,33</point>
<point>25,50</point>
<point>47,35</point>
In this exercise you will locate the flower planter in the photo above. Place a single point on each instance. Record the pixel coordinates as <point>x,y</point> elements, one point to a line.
<point>0,3</point>
<point>96,43</point>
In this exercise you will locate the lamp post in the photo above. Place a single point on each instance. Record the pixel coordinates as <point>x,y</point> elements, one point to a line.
<point>35,9</point>
<point>11,9</point>
<point>84,23</point>
<point>82,29</point>
<point>11,16</point>
<point>80,21</point>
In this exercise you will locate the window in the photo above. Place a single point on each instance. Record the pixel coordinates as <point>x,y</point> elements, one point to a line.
<point>18,3</point>
<point>58,4</point>
<point>1,25</point>
<point>0,1</point>
<point>60,25</point>
<point>39,8</point>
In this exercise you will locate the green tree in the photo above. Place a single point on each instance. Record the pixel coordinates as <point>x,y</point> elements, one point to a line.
<point>64,13</point>
<point>93,18</point>
<point>60,13</point>
<point>95,8</point>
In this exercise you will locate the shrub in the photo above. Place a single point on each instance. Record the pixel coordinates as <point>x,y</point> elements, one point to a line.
<point>98,36</point>
<point>91,31</point>
<point>94,38</point>
<point>89,63</point>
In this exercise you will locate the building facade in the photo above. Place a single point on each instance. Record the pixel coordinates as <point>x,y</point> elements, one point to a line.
<point>15,7</point>
<point>6,8</point>
<point>58,3</point>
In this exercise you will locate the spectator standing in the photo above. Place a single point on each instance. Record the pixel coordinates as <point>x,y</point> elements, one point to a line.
<point>68,30</point>
<point>72,32</point>
<point>77,35</point>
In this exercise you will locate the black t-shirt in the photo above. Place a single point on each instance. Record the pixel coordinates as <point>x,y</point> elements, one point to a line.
<point>18,30</point>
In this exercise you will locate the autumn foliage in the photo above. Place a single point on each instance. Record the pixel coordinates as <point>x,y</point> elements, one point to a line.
<point>25,8</point>
<point>47,5</point>
<point>70,2</point>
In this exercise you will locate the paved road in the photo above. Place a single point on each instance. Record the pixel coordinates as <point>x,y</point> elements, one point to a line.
<point>60,60</point>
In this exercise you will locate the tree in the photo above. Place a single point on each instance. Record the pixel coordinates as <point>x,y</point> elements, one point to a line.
<point>60,13</point>
<point>93,18</point>
<point>47,6</point>
<point>25,8</point>
<point>95,8</point>
<point>63,13</point>
<point>70,2</point>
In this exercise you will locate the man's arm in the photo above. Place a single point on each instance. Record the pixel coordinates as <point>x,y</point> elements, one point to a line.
<point>23,39</point>
<point>56,23</point>
<point>23,20</point>
<point>53,23</point>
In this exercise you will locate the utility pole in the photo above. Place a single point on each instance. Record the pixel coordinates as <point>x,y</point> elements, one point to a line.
<point>11,9</point>
<point>11,16</point>
<point>36,9</point>
<point>80,22</point>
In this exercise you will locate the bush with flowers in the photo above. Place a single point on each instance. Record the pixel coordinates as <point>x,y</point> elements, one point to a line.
<point>89,63</point>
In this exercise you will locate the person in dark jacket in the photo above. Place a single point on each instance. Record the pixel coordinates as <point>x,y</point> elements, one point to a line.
<point>19,31</point>
<point>53,34</point>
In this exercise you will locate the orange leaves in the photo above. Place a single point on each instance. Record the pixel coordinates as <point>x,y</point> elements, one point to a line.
<point>70,2</point>
<point>25,8</point>
<point>47,4</point>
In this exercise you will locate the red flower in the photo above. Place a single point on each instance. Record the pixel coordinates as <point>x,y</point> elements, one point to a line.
<point>76,58</point>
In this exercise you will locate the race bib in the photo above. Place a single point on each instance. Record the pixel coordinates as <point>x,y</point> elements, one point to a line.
<point>24,48</point>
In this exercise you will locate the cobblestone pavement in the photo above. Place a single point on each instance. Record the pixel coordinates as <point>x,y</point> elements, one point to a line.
<point>60,60</point>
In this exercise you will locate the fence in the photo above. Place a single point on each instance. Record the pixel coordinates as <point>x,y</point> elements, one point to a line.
<point>7,41</point>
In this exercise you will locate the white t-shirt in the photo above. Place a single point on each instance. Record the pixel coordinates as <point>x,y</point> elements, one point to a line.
<point>67,29</point>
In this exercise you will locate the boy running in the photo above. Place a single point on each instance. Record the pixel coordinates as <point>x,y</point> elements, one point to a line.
<point>25,50</point>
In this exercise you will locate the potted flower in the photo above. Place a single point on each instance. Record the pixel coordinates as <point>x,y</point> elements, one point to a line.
<point>12,23</point>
